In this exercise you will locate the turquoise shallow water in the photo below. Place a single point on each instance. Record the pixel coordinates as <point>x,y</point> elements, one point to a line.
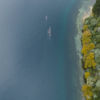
<point>34,66</point>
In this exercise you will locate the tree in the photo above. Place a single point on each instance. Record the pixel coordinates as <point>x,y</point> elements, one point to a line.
<point>87,48</point>
<point>89,61</point>
<point>86,37</point>
<point>85,27</point>
<point>87,91</point>
<point>87,43</point>
<point>86,75</point>
<point>96,8</point>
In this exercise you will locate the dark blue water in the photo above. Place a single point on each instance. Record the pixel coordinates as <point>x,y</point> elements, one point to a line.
<point>34,66</point>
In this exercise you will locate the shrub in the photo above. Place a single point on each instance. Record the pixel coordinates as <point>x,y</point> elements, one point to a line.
<point>93,22</point>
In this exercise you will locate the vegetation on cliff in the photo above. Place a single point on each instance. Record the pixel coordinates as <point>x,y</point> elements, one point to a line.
<point>91,54</point>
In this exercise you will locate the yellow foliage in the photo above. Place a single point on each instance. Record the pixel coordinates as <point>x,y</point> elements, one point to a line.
<point>86,37</point>
<point>92,14</point>
<point>85,87</point>
<point>86,33</point>
<point>88,58</point>
<point>85,27</point>
<point>86,41</point>
<point>87,48</point>
<point>87,74</point>
<point>89,61</point>
<point>87,91</point>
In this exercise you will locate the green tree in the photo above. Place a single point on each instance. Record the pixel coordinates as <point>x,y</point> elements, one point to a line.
<point>96,8</point>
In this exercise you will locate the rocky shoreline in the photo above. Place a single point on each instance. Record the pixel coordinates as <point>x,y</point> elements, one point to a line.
<point>84,12</point>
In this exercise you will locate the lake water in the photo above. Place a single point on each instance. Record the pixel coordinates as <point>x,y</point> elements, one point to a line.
<point>36,64</point>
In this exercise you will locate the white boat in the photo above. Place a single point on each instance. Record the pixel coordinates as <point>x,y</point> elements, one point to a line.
<point>49,32</point>
<point>46,18</point>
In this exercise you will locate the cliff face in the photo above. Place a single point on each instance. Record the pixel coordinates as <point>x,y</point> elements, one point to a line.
<point>91,54</point>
